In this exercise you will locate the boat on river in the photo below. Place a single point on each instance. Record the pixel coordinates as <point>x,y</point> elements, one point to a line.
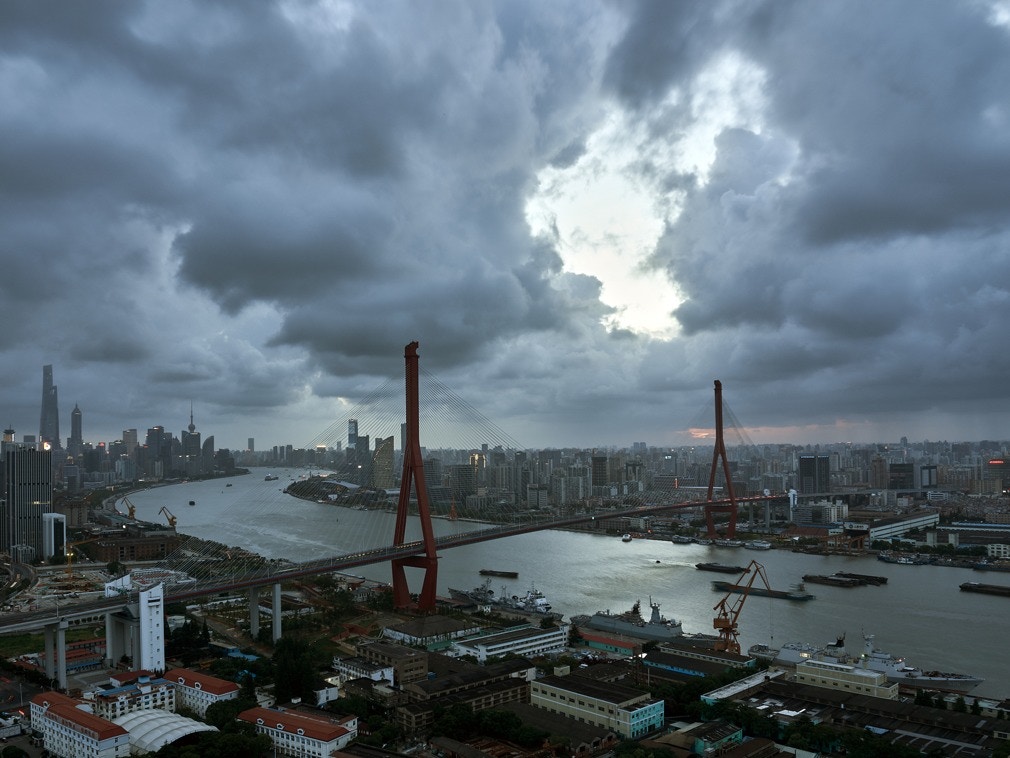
<point>503,574</point>
<point>758,545</point>
<point>986,589</point>
<point>896,669</point>
<point>626,538</point>
<point>796,592</point>
<point>681,539</point>
<point>832,580</point>
<point>721,568</point>
<point>864,578</point>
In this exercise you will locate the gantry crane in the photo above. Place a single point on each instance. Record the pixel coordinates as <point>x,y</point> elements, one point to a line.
<point>168,515</point>
<point>131,509</point>
<point>728,609</point>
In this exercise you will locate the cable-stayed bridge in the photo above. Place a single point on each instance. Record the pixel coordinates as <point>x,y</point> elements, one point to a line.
<point>207,572</point>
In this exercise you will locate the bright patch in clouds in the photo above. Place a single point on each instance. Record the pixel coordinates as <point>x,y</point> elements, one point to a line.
<point>608,209</point>
<point>607,222</point>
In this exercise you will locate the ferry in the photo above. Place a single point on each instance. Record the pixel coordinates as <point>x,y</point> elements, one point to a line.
<point>758,545</point>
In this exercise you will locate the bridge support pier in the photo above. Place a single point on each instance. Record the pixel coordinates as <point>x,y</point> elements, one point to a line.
<point>56,652</point>
<point>254,612</point>
<point>277,609</point>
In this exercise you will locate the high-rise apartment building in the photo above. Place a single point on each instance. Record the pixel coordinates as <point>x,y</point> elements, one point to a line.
<point>382,464</point>
<point>130,442</point>
<point>28,487</point>
<point>600,474</point>
<point>814,474</point>
<point>49,422</point>
<point>352,433</point>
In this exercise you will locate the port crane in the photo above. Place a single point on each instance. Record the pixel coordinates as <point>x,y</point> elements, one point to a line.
<point>168,515</point>
<point>728,609</point>
<point>131,509</point>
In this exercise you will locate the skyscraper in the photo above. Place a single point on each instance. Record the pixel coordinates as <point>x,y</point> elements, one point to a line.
<point>352,434</point>
<point>49,422</point>
<point>814,474</point>
<point>28,485</point>
<point>75,442</point>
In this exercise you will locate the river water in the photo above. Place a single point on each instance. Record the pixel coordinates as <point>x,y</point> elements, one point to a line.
<point>920,613</point>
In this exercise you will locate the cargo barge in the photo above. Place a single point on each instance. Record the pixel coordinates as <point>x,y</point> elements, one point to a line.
<point>796,593</point>
<point>865,578</point>
<point>503,574</point>
<point>833,580</point>
<point>986,589</point>
<point>722,568</point>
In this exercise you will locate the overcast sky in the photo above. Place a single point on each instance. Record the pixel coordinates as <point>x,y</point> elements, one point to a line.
<point>584,212</point>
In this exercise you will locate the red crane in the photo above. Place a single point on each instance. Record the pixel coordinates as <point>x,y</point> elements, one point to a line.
<point>728,609</point>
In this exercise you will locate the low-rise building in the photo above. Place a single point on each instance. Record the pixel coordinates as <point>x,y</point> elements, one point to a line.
<point>844,677</point>
<point>300,735</point>
<point>196,692</point>
<point>626,710</point>
<point>137,692</point>
<point>526,641</point>
<point>430,630</point>
<point>408,665</point>
<point>68,728</point>
<point>357,667</point>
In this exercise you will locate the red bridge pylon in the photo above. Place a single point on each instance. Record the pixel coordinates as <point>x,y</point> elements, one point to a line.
<point>720,452</point>
<point>413,474</point>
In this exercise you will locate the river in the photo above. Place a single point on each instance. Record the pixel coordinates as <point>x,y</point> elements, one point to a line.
<point>920,613</point>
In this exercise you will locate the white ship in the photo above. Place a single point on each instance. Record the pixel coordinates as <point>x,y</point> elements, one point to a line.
<point>896,669</point>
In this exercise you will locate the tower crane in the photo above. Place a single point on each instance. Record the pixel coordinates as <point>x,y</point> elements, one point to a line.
<point>69,553</point>
<point>728,610</point>
<point>168,515</point>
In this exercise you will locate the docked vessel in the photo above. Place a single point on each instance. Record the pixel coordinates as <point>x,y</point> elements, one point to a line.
<point>681,539</point>
<point>481,595</point>
<point>630,623</point>
<point>758,545</point>
<point>903,560</point>
<point>722,568</point>
<point>797,592</point>
<point>986,589</point>
<point>531,602</point>
<point>503,574</point>
<point>991,566</point>
<point>896,669</point>
<point>727,543</point>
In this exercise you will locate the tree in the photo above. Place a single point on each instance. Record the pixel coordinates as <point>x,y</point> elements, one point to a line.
<point>294,670</point>
<point>247,691</point>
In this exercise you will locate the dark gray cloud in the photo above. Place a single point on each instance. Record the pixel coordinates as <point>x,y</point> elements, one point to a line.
<point>254,207</point>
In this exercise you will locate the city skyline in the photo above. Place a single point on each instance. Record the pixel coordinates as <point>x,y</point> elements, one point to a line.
<point>585,213</point>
